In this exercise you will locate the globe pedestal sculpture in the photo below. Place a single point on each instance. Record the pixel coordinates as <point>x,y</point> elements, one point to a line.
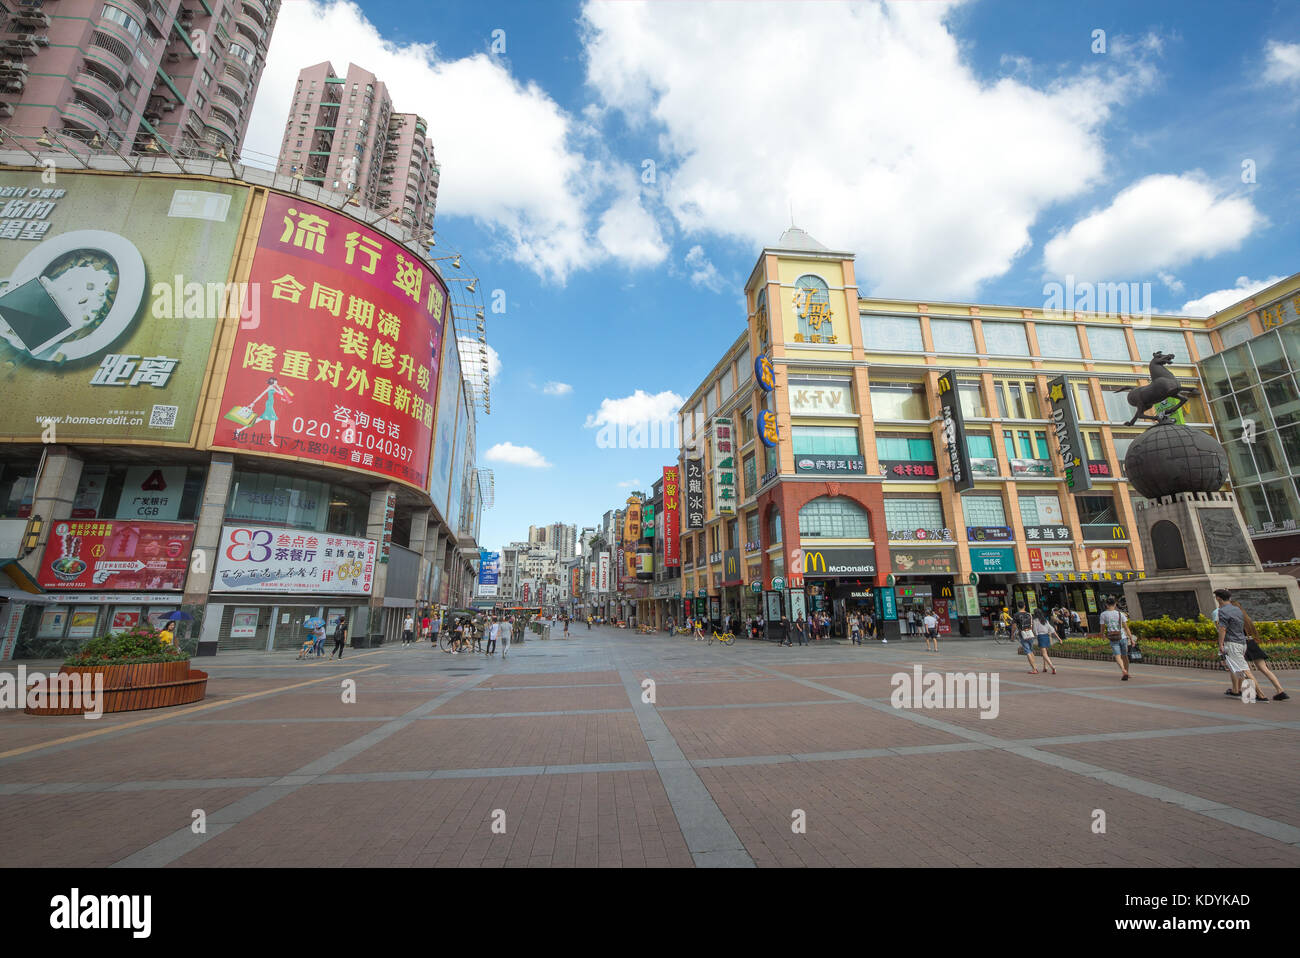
<point>1193,536</point>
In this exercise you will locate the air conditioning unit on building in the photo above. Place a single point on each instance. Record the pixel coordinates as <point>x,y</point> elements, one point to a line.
<point>173,56</point>
<point>6,110</point>
<point>41,41</point>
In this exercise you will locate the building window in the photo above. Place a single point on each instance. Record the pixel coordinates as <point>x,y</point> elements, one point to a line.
<point>812,308</point>
<point>1108,343</point>
<point>1161,340</point>
<point>979,447</point>
<point>1026,444</point>
<point>206,77</point>
<point>972,401</point>
<point>1058,341</point>
<point>953,336</point>
<point>123,19</point>
<point>983,510</point>
<point>1005,339</point>
<point>836,517</point>
<point>751,526</point>
<point>894,333</point>
<point>1096,510</point>
<point>824,440</point>
<point>1083,402</point>
<point>905,448</point>
<point>774,528</point>
<point>899,401</point>
<point>1116,400</point>
<point>1041,511</point>
<point>1017,400</point>
<point>908,515</point>
<point>751,476</point>
<point>1204,345</point>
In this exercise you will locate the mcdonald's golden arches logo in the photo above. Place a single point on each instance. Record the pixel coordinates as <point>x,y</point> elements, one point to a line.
<point>945,384</point>
<point>945,592</point>
<point>814,562</point>
<point>732,566</point>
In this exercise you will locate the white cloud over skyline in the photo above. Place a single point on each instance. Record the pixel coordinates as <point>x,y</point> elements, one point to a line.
<point>512,455</point>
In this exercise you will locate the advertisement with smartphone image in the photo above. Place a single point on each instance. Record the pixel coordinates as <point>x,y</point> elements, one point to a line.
<point>106,333</point>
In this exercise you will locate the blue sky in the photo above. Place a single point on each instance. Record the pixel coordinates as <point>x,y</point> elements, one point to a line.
<point>970,151</point>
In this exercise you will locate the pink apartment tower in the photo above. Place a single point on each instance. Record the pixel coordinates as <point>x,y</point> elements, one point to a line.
<point>130,73</point>
<point>343,134</point>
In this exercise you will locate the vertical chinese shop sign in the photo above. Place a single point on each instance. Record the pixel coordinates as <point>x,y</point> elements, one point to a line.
<point>341,365</point>
<point>672,559</point>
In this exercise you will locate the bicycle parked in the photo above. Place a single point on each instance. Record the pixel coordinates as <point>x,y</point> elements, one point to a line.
<point>726,638</point>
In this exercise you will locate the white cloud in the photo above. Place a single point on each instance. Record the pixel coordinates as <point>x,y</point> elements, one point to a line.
<point>510,454</point>
<point>506,150</point>
<point>1172,282</point>
<point>630,233</point>
<point>630,484</point>
<point>640,407</point>
<point>879,149</point>
<point>557,389</point>
<point>1159,222</point>
<point>703,272</point>
<point>1283,61</point>
<point>1211,303</point>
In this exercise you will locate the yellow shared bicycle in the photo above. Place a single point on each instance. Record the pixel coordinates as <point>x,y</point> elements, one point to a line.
<point>726,638</point>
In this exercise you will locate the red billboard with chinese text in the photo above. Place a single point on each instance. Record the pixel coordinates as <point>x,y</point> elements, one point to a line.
<point>105,554</point>
<point>341,364</point>
<point>671,558</point>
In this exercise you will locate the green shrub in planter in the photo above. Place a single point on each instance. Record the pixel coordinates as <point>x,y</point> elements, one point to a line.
<point>1182,649</point>
<point>135,646</point>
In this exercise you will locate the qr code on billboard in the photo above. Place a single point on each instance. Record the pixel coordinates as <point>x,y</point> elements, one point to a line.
<point>163,417</point>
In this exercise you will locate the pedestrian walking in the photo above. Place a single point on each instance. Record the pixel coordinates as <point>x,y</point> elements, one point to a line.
<point>1023,625</point>
<point>1114,625</point>
<point>1044,631</point>
<point>408,630</point>
<point>435,626</point>
<point>854,635</point>
<point>507,633</point>
<point>340,636</point>
<point>425,625</point>
<point>493,631</point>
<point>1257,658</point>
<point>1231,621</point>
<point>318,646</point>
<point>801,631</point>
<point>931,623</point>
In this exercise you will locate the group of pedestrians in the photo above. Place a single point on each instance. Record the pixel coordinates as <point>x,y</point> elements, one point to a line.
<point>862,626</point>
<point>1239,649</point>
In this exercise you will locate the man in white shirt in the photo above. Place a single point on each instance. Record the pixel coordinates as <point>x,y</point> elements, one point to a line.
<point>494,630</point>
<point>408,631</point>
<point>507,633</point>
<point>931,623</point>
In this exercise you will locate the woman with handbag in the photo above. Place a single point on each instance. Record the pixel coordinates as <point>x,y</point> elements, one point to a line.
<point>1044,632</point>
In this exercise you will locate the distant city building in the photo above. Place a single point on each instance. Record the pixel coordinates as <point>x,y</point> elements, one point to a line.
<point>343,134</point>
<point>556,536</point>
<point>121,75</point>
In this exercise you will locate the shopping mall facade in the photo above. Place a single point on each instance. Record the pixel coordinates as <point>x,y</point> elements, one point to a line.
<point>227,397</point>
<point>815,473</point>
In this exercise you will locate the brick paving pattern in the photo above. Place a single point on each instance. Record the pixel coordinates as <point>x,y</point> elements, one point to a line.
<point>552,758</point>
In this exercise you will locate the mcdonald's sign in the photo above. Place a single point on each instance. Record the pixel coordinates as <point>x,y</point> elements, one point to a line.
<point>1095,531</point>
<point>731,567</point>
<point>838,562</point>
<point>954,432</point>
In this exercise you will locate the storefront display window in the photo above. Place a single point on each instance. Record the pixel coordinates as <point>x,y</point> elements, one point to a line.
<point>276,500</point>
<point>824,440</point>
<point>17,484</point>
<point>898,401</point>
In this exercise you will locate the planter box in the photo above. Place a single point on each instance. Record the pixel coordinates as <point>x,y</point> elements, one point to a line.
<point>127,688</point>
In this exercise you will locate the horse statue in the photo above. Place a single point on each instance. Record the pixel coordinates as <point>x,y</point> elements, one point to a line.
<point>1163,386</point>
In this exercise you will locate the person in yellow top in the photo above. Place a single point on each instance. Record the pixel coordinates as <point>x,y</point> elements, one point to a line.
<point>166,634</point>
<point>1006,620</point>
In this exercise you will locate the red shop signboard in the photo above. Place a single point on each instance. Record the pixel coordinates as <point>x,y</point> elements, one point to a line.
<point>340,362</point>
<point>103,555</point>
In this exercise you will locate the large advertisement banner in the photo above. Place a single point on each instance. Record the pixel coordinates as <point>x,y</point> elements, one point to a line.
<point>672,556</point>
<point>603,580</point>
<point>489,572</point>
<point>444,438</point>
<point>341,364</point>
<point>268,559</point>
<point>118,555</point>
<point>106,333</point>
<point>694,493</point>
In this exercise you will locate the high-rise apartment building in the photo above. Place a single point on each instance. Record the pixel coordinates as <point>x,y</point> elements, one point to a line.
<point>343,134</point>
<point>558,537</point>
<point>121,75</point>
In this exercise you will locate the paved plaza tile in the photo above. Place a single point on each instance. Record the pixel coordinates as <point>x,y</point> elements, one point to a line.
<point>749,755</point>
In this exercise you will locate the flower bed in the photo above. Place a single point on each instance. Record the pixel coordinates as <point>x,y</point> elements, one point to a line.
<point>136,669</point>
<point>1185,653</point>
